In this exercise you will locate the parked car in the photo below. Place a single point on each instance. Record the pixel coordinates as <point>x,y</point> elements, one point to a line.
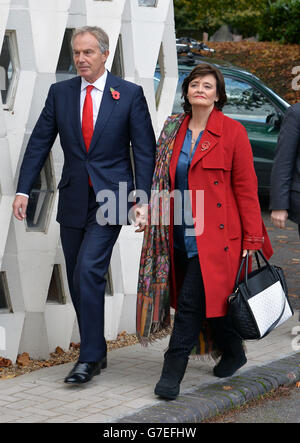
<point>182,47</point>
<point>250,102</point>
<point>187,44</point>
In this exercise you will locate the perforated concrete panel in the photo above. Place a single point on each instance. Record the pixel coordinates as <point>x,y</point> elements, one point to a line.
<point>30,320</point>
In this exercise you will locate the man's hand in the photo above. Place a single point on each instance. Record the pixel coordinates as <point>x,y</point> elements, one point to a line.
<point>279,217</point>
<point>20,206</point>
<point>141,217</point>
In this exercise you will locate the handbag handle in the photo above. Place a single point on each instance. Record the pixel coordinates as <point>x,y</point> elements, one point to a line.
<point>258,263</point>
<point>237,280</point>
<point>246,260</point>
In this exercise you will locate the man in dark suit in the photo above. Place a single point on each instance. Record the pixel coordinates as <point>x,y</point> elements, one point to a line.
<point>96,115</point>
<point>285,178</point>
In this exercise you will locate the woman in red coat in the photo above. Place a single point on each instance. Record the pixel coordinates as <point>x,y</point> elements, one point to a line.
<point>215,220</point>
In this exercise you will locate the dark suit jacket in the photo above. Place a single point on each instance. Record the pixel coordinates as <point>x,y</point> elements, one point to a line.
<point>108,161</point>
<point>285,178</point>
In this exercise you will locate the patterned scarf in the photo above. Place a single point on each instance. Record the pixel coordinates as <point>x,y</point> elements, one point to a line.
<point>153,295</point>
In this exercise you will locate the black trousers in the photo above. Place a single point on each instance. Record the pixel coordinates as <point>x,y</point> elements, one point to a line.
<point>190,313</point>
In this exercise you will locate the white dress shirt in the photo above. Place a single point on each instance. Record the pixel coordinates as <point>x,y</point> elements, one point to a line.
<point>96,95</point>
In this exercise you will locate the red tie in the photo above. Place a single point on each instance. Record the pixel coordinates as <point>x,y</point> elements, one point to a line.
<point>87,120</point>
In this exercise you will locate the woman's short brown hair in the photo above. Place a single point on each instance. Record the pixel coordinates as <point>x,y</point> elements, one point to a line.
<point>200,71</point>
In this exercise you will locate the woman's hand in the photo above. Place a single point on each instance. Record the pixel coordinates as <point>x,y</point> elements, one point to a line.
<point>141,217</point>
<point>251,251</point>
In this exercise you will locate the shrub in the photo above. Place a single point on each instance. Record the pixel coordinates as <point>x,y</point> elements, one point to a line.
<point>280,22</point>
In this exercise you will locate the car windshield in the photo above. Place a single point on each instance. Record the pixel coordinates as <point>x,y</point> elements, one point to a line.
<point>244,102</point>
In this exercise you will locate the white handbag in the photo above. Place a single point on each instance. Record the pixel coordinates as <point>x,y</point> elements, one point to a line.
<point>260,303</point>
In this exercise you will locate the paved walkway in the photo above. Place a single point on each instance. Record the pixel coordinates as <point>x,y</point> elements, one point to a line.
<point>125,387</point>
<point>124,391</point>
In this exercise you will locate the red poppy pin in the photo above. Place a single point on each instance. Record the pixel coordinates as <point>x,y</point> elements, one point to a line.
<point>115,94</point>
<point>205,146</point>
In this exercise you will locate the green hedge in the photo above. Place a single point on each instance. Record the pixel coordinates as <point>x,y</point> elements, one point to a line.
<point>281,22</point>
<point>277,20</point>
<point>242,16</point>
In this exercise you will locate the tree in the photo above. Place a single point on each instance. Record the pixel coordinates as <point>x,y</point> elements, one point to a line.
<point>280,21</point>
<point>241,15</point>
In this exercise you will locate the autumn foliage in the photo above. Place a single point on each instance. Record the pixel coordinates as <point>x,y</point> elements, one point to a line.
<point>277,65</point>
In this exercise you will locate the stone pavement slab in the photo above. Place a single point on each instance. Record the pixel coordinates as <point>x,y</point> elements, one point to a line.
<point>124,391</point>
<point>216,398</point>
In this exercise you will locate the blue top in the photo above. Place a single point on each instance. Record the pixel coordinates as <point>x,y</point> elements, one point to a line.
<point>184,234</point>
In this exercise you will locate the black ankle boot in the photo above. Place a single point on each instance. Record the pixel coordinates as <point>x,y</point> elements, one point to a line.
<point>233,358</point>
<point>230,345</point>
<point>172,374</point>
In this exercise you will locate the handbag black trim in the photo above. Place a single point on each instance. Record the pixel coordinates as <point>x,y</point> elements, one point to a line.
<point>254,283</point>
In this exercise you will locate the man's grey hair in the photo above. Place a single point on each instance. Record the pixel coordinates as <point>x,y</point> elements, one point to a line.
<point>98,33</point>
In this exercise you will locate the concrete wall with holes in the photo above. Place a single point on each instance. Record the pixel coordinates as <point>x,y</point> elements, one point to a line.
<point>30,321</point>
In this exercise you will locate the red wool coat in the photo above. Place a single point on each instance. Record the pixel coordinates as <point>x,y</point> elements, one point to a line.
<point>230,221</point>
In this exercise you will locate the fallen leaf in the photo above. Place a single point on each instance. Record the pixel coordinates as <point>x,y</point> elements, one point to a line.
<point>265,60</point>
<point>298,383</point>
<point>44,364</point>
<point>227,388</point>
<point>122,335</point>
<point>5,362</point>
<point>6,377</point>
<point>23,359</point>
<point>59,350</point>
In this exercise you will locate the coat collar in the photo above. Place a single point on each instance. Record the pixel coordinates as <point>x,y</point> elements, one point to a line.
<point>106,108</point>
<point>98,84</point>
<point>77,81</point>
<point>209,139</point>
<point>215,122</point>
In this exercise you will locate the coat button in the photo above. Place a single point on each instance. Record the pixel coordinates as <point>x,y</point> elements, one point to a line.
<point>226,248</point>
<point>216,182</point>
<point>219,205</point>
<point>221,226</point>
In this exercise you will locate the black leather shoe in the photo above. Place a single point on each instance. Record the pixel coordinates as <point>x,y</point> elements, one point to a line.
<point>104,363</point>
<point>85,371</point>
